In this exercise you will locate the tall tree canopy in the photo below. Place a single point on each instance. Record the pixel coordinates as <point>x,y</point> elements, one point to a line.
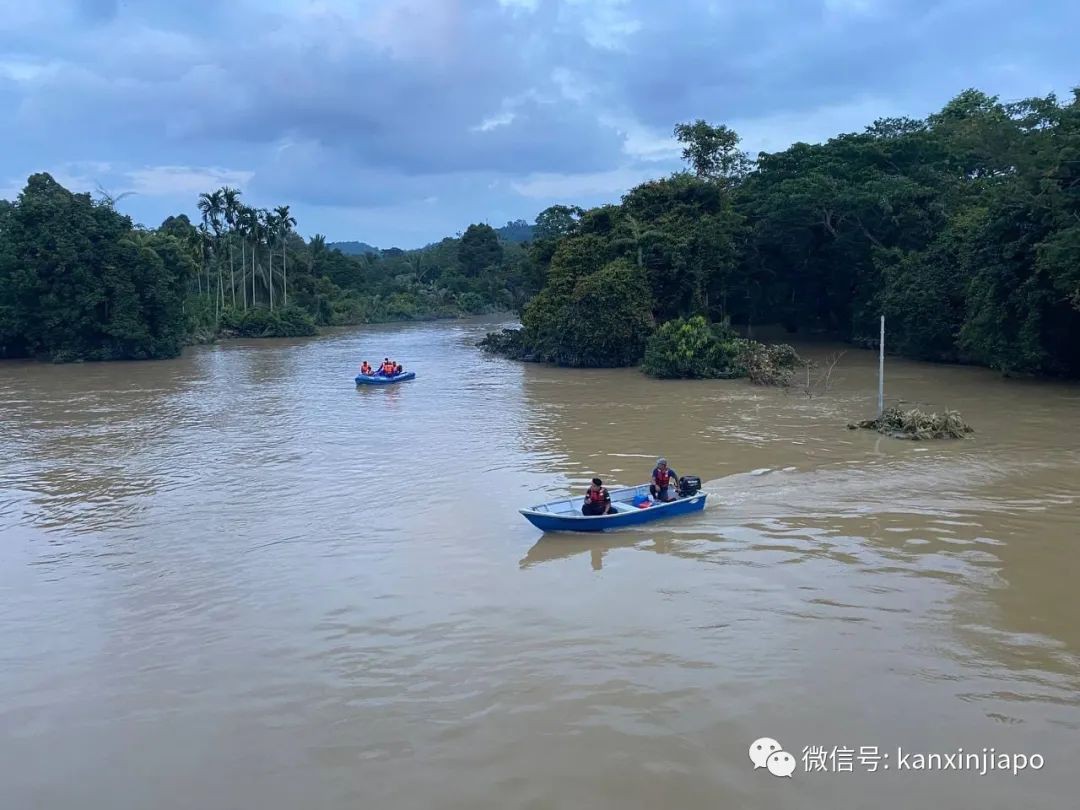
<point>963,229</point>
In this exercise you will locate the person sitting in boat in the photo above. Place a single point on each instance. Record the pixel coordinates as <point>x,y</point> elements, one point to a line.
<point>663,479</point>
<point>397,368</point>
<point>384,369</point>
<point>597,499</point>
<point>365,369</point>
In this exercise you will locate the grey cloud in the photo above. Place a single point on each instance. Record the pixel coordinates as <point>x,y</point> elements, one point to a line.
<point>383,101</point>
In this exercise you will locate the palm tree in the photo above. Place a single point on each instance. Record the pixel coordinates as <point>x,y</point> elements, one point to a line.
<point>249,224</point>
<point>638,236</point>
<point>285,224</point>
<point>212,205</point>
<point>241,228</point>
<point>230,205</point>
<point>317,246</point>
<point>269,224</point>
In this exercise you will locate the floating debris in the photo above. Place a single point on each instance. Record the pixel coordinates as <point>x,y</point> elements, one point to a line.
<point>916,424</point>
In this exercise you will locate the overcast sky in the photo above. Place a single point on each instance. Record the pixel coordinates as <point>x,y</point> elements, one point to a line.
<point>397,122</point>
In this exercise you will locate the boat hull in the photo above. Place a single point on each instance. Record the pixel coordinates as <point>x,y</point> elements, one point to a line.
<point>371,379</point>
<point>559,516</point>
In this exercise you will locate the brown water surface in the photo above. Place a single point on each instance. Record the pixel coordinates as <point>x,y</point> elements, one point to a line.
<point>233,581</point>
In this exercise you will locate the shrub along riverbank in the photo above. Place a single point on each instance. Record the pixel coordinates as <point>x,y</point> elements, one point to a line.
<point>963,229</point>
<point>80,281</point>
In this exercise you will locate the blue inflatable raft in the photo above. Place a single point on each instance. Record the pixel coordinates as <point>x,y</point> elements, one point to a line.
<point>381,379</point>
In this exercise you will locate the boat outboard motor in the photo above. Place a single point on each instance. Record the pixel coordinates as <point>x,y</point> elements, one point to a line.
<point>689,485</point>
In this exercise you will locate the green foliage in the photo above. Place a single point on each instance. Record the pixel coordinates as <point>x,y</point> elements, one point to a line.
<point>556,222</point>
<point>479,250</point>
<point>691,348</point>
<point>288,321</point>
<point>694,348</point>
<point>962,229</point>
<point>78,282</point>
<point>508,343</point>
<point>606,320</point>
<point>713,152</point>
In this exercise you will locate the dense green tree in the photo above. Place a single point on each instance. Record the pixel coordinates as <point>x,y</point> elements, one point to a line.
<point>77,281</point>
<point>962,229</point>
<point>479,250</point>
<point>712,152</point>
<point>557,221</point>
<point>606,320</point>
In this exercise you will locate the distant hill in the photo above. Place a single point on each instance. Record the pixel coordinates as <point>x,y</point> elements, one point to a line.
<point>517,231</point>
<point>352,248</point>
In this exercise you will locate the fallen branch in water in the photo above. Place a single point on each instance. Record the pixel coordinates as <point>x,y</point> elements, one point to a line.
<point>915,424</point>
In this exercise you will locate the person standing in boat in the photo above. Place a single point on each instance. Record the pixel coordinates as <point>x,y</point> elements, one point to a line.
<point>597,499</point>
<point>663,477</point>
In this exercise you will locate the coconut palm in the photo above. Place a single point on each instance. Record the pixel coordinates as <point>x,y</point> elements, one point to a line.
<point>285,224</point>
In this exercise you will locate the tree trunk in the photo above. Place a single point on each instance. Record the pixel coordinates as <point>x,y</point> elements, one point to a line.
<point>270,284</point>
<point>243,270</point>
<point>284,274</point>
<point>254,251</point>
<point>232,277</point>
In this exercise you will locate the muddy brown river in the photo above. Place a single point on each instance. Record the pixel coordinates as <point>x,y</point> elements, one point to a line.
<point>234,581</point>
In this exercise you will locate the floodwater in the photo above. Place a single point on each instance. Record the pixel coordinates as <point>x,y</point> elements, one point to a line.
<point>234,581</point>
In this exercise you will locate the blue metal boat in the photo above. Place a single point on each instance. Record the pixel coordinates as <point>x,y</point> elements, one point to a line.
<point>380,379</point>
<point>631,506</point>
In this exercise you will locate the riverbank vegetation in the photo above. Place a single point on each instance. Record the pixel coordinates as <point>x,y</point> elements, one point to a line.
<point>80,281</point>
<point>963,229</point>
<point>694,348</point>
<point>913,423</point>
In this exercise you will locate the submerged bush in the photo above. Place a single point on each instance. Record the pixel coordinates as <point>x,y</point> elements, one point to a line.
<point>693,348</point>
<point>769,364</point>
<point>285,322</point>
<point>507,343</point>
<point>915,424</point>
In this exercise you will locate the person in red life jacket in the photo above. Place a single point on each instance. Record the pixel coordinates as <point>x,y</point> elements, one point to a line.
<point>597,499</point>
<point>663,478</point>
<point>365,369</point>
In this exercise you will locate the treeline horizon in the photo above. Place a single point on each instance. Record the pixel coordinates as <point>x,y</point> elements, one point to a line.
<point>81,281</point>
<point>962,228</point>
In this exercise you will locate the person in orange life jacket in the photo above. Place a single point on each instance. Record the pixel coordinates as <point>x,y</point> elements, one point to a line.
<point>365,369</point>
<point>597,499</point>
<point>663,477</point>
<point>383,369</point>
